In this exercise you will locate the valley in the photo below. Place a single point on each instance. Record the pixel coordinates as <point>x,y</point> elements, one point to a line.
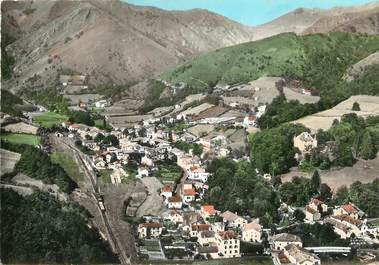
<point>138,135</point>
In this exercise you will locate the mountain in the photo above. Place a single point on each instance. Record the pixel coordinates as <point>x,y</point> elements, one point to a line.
<point>356,19</point>
<point>117,43</point>
<point>111,41</point>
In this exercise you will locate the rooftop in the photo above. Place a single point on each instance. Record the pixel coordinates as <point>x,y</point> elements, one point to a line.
<point>285,237</point>
<point>209,209</point>
<point>226,235</point>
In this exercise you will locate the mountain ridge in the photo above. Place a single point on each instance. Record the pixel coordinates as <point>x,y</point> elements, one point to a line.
<point>118,43</point>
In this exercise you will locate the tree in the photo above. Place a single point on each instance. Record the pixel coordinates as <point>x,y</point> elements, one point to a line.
<point>197,149</point>
<point>356,107</point>
<point>315,182</point>
<point>368,149</point>
<point>325,192</point>
<point>298,215</point>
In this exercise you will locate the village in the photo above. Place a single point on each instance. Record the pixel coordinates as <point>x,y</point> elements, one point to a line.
<point>173,147</point>
<point>188,228</point>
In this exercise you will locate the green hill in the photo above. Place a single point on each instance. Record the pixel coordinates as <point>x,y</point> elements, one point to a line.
<point>318,60</point>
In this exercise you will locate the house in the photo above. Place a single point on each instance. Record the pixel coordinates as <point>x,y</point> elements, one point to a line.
<point>233,219</point>
<point>314,210</point>
<point>189,195</point>
<point>101,103</point>
<point>252,232</point>
<point>197,173</point>
<point>299,256</point>
<point>228,244</point>
<point>175,202</point>
<point>349,209</point>
<point>207,211</point>
<point>146,161</point>
<point>151,229</point>
<point>346,225</point>
<point>250,120</point>
<point>206,238</point>
<point>280,241</point>
<point>305,142</point>
<point>166,191</point>
<point>196,229</point>
<point>174,216</point>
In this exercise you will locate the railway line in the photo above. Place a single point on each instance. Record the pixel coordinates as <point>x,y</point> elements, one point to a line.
<point>124,258</point>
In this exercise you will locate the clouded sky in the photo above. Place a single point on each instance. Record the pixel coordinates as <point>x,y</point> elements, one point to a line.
<point>249,12</point>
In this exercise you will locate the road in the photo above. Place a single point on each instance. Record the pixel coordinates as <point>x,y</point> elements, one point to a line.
<point>96,192</point>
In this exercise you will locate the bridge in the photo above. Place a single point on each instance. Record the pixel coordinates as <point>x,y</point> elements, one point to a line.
<point>329,249</point>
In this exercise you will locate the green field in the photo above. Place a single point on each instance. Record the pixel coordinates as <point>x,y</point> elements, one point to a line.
<point>67,162</point>
<point>19,138</point>
<point>49,119</point>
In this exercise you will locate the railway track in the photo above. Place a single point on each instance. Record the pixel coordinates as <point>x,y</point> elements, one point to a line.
<point>96,193</point>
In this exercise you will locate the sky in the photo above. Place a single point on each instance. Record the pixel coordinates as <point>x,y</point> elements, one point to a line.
<point>248,12</point>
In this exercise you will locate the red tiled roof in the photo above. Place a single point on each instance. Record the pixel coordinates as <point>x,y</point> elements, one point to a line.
<point>175,198</point>
<point>151,225</point>
<point>227,234</point>
<point>200,227</point>
<point>349,208</point>
<point>209,209</point>
<point>166,188</point>
<point>348,219</point>
<point>189,192</point>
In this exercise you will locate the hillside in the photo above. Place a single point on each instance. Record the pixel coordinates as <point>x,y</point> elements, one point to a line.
<point>111,41</point>
<point>318,60</point>
<point>117,43</point>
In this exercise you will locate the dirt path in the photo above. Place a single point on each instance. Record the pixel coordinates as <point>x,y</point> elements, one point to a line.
<point>153,204</point>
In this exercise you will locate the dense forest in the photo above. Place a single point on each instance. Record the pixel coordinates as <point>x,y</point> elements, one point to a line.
<point>39,229</point>
<point>272,150</point>
<point>234,186</point>
<point>37,164</point>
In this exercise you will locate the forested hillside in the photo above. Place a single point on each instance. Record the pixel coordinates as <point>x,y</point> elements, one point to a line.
<point>41,230</point>
<point>319,61</point>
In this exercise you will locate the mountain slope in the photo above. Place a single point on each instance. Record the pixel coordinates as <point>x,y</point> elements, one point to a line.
<point>118,43</point>
<point>113,42</point>
<point>318,60</point>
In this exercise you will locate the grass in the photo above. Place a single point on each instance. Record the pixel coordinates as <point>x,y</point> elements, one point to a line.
<point>19,138</point>
<point>105,175</point>
<point>67,162</point>
<point>49,119</point>
<point>281,55</point>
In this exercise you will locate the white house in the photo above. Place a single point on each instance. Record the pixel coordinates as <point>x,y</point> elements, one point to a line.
<point>151,229</point>
<point>228,244</point>
<point>175,202</point>
<point>252,232</point>
<point>197,173</point>
<point>166,191</point>
<point>280,241</point>
<point>233,219</point>
<point>196,229</point>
